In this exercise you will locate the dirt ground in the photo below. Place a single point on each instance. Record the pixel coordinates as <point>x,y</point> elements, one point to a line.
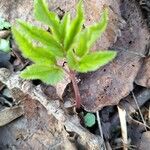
<point>36,116</point>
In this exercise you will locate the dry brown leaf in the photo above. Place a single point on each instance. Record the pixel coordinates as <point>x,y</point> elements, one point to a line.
<point>143,77</point>
<point>108,85</point>
<point>145,141</point>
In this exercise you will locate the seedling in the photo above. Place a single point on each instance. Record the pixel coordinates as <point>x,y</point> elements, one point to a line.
<point>4,45</point>
<point>4,24</point>
<point>67,40</point>
<point>89,119</point>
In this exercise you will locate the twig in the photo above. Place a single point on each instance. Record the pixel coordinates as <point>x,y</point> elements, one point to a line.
<point>72,123</point>
<point>129,103</point>
<point>139,110</point>
<point>100,128</point>
<point>130,120</point>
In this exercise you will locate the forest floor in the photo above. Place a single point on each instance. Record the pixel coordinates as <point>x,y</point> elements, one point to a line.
<point>34,115</point>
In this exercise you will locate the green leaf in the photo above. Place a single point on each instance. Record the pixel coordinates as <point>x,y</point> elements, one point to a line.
<point>46,73</point>
<point>91,61</point>
<point>33,32</point>
<point>75,27</point>
<point>4,24</point>
<point>95,60</point>
<point>4,45</point>
<point>72,60</point>
<point>89,119</point>
<point>36,54</point>
<point>64,26</point>
<point>82,46</point>
<point>42,13</point>
<point>91,34</point>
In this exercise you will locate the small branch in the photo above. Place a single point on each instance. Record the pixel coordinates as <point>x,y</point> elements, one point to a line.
<point>72,123</point>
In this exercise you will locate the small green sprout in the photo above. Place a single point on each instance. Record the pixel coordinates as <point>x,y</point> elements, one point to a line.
<point>4,45</point>
<point>89,119</point>
<point>67,40</point>
<point>4,24</point>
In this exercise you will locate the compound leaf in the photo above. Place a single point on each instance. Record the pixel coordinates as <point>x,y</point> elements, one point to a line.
<point>75,27</point>
<point>42,13</point>
<point>82,48</point>
<point>36,54</point>
<point>64,26</point>
<point>96,30</point>
<point>33,32</point>
<point>93,61</point>
<point>91,34</point>
<point>72,60</point>
<point>46,73</point>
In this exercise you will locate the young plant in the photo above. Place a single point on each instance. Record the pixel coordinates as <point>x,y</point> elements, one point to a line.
<point>4,24</point>
<point>67,40</point>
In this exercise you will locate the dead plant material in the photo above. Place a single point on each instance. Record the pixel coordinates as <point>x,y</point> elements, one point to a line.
<point>122,116</point>
<point>9,114</point>
<point>72,124</point>
<point>143,77</point>
<point>110,84</point>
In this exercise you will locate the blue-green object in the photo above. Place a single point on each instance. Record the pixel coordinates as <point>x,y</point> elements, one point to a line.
<point>4,24</point>
<point>4,45</point>
<point>89,119</point>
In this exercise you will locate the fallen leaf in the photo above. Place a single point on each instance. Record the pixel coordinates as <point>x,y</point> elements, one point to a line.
<point>143,77</point>
<point>111,83</point>
<point>145,141</point>
<point>4,34</point>
<point>4,60</point>
<point>9,114</point>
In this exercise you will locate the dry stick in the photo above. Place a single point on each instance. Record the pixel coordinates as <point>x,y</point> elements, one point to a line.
<point>100,128</point>
<point>72,123</point>
<point>139,110</point>
<point>122,116</point>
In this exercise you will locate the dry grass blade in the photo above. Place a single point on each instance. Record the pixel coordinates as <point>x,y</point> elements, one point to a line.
<point>149,114</point>
<point>100,128</point>
<point>122,116</point>
<point>144,122</point>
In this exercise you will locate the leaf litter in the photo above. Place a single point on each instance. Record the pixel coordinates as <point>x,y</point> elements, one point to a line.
<point>124,69</point>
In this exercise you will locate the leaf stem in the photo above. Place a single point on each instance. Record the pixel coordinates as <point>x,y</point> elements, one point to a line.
<point>76,88</point>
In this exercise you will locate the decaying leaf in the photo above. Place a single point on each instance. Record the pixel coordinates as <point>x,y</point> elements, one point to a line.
<point>4,33</point>
<point>110,84</point>
<point>145,141</point>
<point>4,60</point>
<point>143,77</point>
<point>9,114</point>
